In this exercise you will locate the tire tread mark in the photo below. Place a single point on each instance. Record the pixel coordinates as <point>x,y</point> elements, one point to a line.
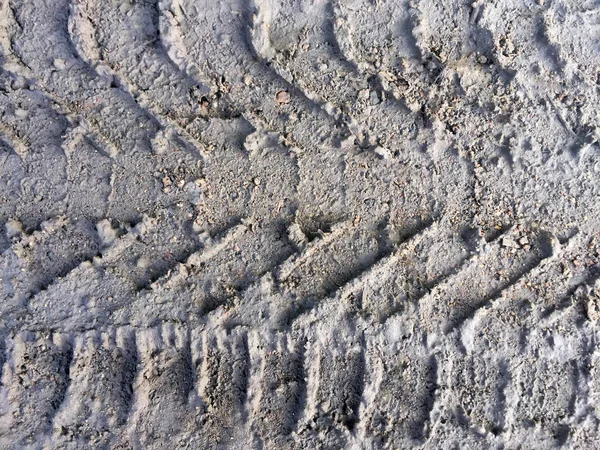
<point>278,405</point>
<point>165,114</point>
<point>43,257</point>
<point>217,275</point>
<point>97,407</point>
<point>40,150</point>
<point>344,96</point>
<point>164,383</point>
<point>258,96</point>
<point>411,378</point>
<point>224,387</point>
<point>482,280</point>
<point>37,379</point>
<point>112,280</point>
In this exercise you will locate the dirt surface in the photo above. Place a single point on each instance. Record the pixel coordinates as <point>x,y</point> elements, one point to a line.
<point>291,224</point>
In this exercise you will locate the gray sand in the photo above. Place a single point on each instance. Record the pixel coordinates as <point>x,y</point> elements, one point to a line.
<point>292,224</point>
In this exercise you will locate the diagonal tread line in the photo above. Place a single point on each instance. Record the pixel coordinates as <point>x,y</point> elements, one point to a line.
<point>497,293</point>
<point>383,253</point>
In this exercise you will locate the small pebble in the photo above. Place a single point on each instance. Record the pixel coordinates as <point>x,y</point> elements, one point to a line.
<point>511,243</point>
<point>59,63</point>
<point>282,97</point>
<point>374,97</point>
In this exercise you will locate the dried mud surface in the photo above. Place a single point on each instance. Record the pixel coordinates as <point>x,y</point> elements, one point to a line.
<point>299,224</point>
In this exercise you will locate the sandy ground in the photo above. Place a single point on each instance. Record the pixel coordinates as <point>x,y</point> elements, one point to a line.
<point>291,224</point>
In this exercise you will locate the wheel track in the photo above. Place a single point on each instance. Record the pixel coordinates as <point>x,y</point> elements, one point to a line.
<point>34,263</point>
<point>278,397</point>
<point>456,300</point>
<point>132,141</point>
<point>327,396</point>
<point>36,379</point>
<point>147,73</point>
<point>252,84</point>
<point>214,278</point>
<point>509,408</point>
<point>128,264</point>
<point>371,358</point>
<point>94,409</point>
<point>335,384</point>
<point>373,114</point>
<point>42,186</point>
<point>400,410</point>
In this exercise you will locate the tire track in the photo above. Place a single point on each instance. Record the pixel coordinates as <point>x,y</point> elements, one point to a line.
<point>11,174</point>
<point>81,91</point>
<point>365,281</point>
<point>220,368</point>
<point>128,41</point>
<point>389,51</point>
<point>224,374</point>
<point>372,114</point>
<point>300,282</point>
<point>551,285</point>
<point>335,384</point>
<point>407,274</point>
<point>477,388</point>
<point>215,277</point>
<point>165,283</point>
<point>98,400</point>
<point>326,397</point>
<point>517,324</point>
<point>452,302</point>
<point>550,404</point>
<point>34,132</point>
<point>101,287</point>
<point>278,392</point>
<point>162,387</point>
<point>62,58</point>
<point>89,175</point>
<point>196,250</point>
<point>36,380</point>
<point>33,264</point>
<point>250,83</point>
<point>399,409</point>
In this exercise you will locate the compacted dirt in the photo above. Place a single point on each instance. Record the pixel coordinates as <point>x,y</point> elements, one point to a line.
<point>297,224</point>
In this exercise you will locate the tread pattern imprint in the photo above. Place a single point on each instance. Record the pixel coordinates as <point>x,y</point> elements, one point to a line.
<point>290,224</point>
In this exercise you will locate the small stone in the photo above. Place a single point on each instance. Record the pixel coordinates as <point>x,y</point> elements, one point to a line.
<point>106,232</point>
<point>297,236</point>
<point>205,106</point>
<point>511,243</point>
<point>374,97</point>
<point>482,59</point>
<point>21,113</point>
<point>383,152</point>
<point>282,97</point>
<point>59,63</point>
